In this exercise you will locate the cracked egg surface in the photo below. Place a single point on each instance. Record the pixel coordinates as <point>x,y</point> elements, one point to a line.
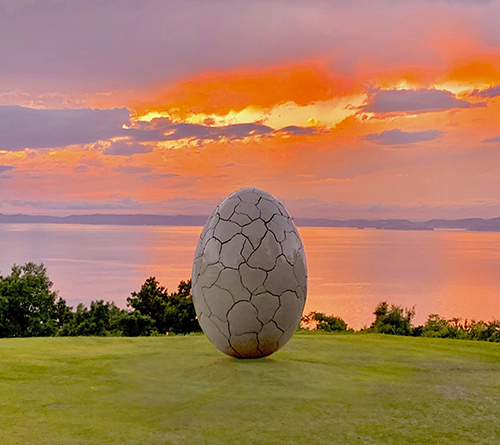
<point>249,275</point>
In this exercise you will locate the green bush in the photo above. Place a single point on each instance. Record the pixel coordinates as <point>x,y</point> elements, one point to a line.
<point>134,324</point>
<point>326,323</point>
<point>436,326</point>
<point>479,330</point>
<point>102,319</point>
<point>28,306</point>
<point>170,312</point>
<point>395,321</point>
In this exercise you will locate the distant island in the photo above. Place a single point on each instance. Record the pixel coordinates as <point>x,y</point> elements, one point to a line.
<point>472,224</point>
<point>109,219</point>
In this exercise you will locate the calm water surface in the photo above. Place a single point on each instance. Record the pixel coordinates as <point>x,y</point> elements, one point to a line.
<point>452,273</point>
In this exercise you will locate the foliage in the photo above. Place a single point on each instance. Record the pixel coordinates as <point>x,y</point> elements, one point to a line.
<point>170,312</point>
<point>134,324</point>
<point>101,319</point>
<point>396,320</point>
<point>479,330</point>
<point>154,311</point>
<point>28,306</point>
<point>151,301</point>
<point>436,326</point>
<point>325,323</point>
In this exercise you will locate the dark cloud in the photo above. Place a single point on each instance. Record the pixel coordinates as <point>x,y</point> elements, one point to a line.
<point>293,130</point>
<point>162,129</point>
<point>177,205</point>
<point>397,136</point>
<point>132,169</point>
<point>154,177</point>
<point>466,2</point>
<point>91,162</point>
<point>126,203</point>
<point>6,168</point>
<point>81,169</point>
<point>413,101</point>
<point>490,140</point>
<point>488,93</point>
<point>121,148</point>
<point>314,208</point>
<point>22,127</point>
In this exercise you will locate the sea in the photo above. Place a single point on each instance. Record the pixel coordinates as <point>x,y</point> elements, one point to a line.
<point>448,272</point>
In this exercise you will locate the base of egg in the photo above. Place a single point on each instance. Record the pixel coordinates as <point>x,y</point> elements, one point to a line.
<point>249,275</point>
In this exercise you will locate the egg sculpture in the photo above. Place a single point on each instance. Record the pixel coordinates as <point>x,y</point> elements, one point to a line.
<point>249,275</point>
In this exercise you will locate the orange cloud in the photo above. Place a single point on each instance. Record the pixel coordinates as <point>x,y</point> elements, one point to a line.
<point>256,92</point>
<point>220,93</point>
<point>477,71</point>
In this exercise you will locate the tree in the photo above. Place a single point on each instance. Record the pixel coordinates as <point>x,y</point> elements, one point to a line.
<point>134,324</point>
<point>326,323</point>
<point>180,315</point>
<point>28,306</point>
<point>436,326</point>
<point>396,320</point>
<point>63,312</point>
<point>480,330</point>
<point>151,301</point>
<point>171,313</point>
<point>101,319</point>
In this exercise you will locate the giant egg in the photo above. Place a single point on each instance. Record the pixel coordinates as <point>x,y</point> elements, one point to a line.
<point>249,275</point>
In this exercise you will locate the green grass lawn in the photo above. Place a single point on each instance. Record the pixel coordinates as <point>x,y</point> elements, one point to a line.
<point>343,389</point>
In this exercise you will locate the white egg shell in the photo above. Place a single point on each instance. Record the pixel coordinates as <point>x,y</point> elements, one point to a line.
<point>249,275</point>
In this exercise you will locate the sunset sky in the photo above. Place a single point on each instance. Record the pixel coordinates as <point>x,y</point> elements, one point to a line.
<point>340,108</point>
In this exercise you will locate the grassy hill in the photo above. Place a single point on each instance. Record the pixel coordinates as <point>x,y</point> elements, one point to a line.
<point>343,389</point>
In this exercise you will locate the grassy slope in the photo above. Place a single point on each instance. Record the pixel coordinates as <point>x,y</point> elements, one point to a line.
<point>319,389</point>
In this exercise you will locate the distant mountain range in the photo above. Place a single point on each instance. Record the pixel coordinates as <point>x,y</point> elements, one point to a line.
<point>115,220</point>
<point>475,224</point>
